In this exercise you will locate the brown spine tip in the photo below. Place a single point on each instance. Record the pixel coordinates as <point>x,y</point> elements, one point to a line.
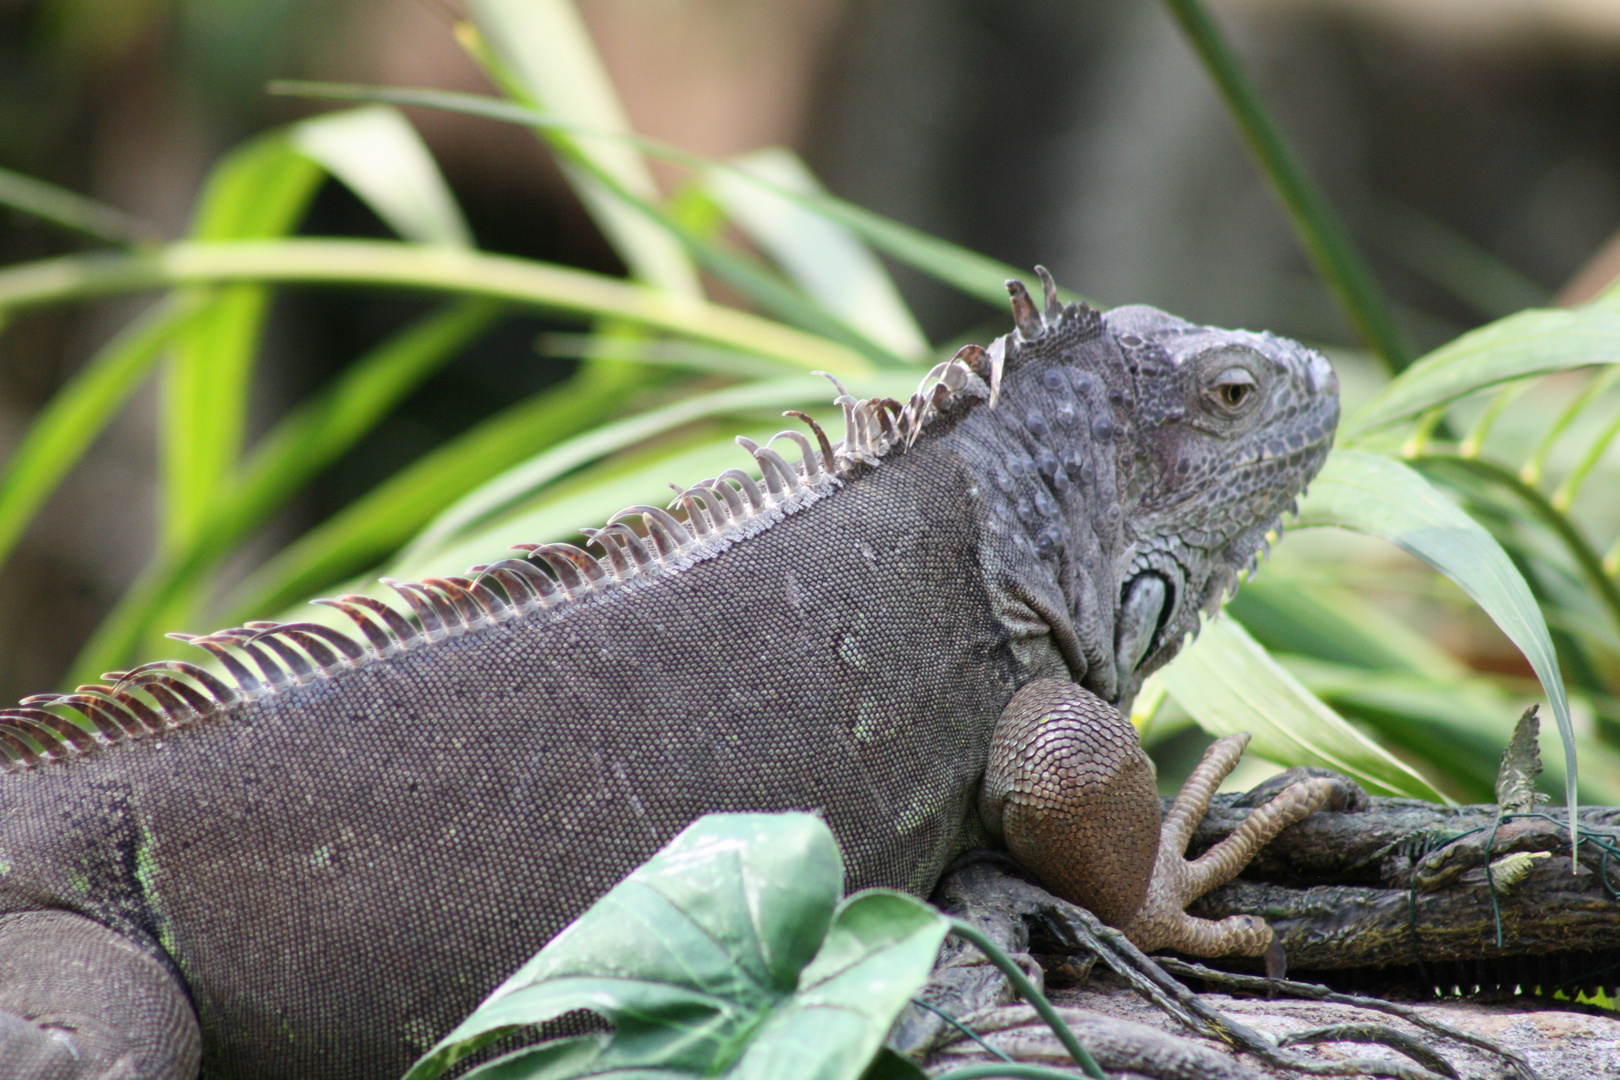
<point>1025,316</point>
<point>1054,306</point>
<point>976,359</point>
<point>827,460</point>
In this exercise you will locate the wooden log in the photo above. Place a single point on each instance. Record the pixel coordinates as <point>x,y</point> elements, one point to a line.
<point>1403,882</point>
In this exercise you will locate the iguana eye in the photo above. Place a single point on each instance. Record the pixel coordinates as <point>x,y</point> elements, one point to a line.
<point>1233,390</point>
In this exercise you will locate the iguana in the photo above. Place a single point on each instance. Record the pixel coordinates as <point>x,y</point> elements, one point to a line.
<point>312,860</point>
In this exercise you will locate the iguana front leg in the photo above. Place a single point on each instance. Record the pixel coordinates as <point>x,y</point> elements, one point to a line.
<point>80,1002</point>
<point>1072,796</point>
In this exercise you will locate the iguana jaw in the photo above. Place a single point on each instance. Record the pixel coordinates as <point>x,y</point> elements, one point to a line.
<point>1231,426</point>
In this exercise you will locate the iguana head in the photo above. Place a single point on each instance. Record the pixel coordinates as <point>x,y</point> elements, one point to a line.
<point>1228,428</point>
<point>1152,457</point>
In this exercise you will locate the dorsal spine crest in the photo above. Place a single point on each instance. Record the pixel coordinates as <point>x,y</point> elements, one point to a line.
<point>262,659</point>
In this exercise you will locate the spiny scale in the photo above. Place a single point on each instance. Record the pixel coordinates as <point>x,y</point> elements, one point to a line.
<point>159,696</point>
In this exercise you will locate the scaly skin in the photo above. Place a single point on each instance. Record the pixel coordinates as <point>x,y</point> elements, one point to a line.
<point>315,867</point>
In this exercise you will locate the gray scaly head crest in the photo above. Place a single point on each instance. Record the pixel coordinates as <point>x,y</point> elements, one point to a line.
<point>1231,428</point>
<point>1202,438</point>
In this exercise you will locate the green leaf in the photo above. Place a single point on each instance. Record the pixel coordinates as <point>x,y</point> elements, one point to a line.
<point>376,525</point>
<point>1534,342</point>
<point>308,439</point>
<point>587,499</point>
<point>383,263</point>
<point>1457,725</point>
<point>73,211</point>
<point>824,257</point>
<point>1381,497</point>
<point>260,190</point>
<point>963,269</point>
<point>660,351</point>
<point>723,955</point>
<point>526,480</point>
<point>378,154</point>
<point>545,58</point>
<point>1291,613</point>
<point>1230,684</point>
<point>80,410</point>
<point>606,186</point>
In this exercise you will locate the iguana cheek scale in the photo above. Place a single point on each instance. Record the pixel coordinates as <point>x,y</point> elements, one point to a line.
<point>316,864</point>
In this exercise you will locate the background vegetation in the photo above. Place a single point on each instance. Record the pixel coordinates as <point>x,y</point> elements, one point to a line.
<point>589,388</point>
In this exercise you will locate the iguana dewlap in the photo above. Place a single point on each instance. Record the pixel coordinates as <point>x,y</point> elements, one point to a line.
<point>315,867</point>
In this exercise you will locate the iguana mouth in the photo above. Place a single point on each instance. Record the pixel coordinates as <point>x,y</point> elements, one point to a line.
<point>1147,601</point>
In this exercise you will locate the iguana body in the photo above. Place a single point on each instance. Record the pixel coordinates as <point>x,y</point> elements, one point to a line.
<point>330,872</point>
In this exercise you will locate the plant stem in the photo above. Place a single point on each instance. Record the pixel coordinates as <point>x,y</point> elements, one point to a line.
<point>1318,228</point>
<point>1028,991</point>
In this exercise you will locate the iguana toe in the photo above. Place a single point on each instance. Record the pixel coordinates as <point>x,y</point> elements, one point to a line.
<point>1163,922</point>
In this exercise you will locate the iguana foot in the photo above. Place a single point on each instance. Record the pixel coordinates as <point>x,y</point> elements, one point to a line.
<point>1162,921</point>
<point>81,1002</point>
<point>1070,793</point>
<point>965,990</point>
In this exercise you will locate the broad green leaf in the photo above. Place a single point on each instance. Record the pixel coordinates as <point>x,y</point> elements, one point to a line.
<point>878,952</point>
<point>80,410</point>
<point>961,268</point>
<point>1379,496</point>
<point>304,442</point>
<point>1230,684</point>
<point>378,154</point>
<point>1501,493</point>
<point>388,264</point>
<point>259,190</point>
<point>1457,724</point>
<point>1530,343</point>
<point>1286,613</point>
<point>723,955</point>
<point>823,256</point>
<point>70,210</point>
<point>546,58</point>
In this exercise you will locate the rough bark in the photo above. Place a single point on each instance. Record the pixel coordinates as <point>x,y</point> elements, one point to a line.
<point>1403,883</point>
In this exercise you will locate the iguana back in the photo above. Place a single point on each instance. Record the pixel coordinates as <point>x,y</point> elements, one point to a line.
<point>341,849</point>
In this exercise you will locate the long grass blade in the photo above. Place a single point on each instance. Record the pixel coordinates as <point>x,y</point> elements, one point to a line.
<point>527,479</point>
<point>971,273</point>
<point>1230,684</point>
<point>824,257</point>
<point>540,53</point>
<point>1317,227</point>
<point>1379,496</point>
<point>260,190</point>
<point>75,212</point>
<point>1475,474</point>
<point>293,452</point>
<point>379,156</point>
<point>368,530</point>
<point>1535,342</point>
<point>1458,724</point>
<point>1456,263</point>
<point>383,263</point>
<point>79,412</point>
